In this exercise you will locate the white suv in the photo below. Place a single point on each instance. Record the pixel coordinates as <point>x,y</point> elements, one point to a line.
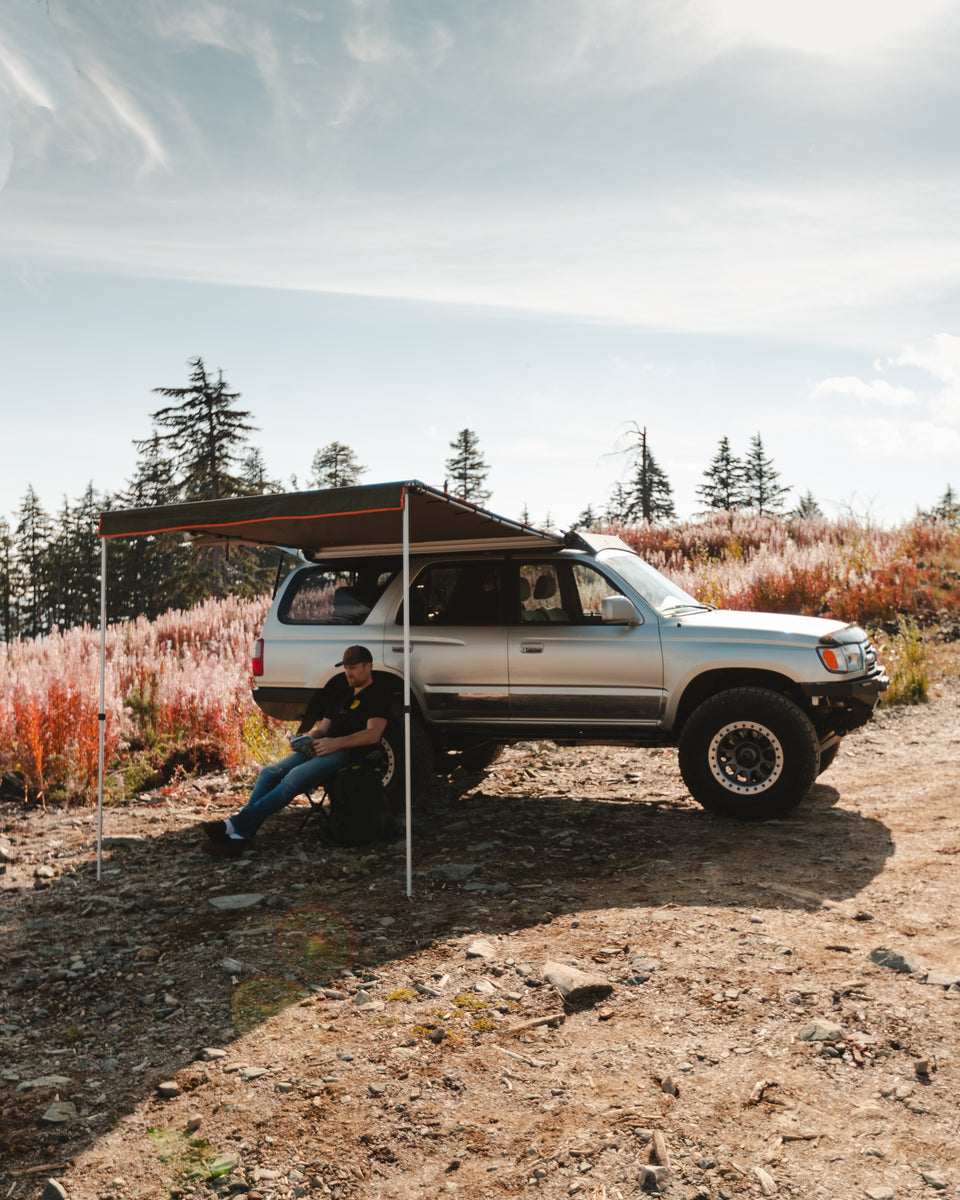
<point>581,644</point>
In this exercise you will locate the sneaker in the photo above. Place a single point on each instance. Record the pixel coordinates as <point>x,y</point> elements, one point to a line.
<point>216,831</point>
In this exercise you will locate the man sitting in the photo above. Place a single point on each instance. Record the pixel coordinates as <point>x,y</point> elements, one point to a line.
<point>356,718</point>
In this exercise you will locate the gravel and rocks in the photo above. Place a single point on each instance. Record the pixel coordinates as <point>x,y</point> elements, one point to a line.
<point>289,1024</point>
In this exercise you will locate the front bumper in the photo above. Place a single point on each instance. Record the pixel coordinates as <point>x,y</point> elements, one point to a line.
<point>843,705</point>
<point>865,690</point>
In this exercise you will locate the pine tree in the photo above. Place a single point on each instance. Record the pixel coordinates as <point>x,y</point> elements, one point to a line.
<point>651,497</point>
<point>254,477</point>
<point>724,489</point>
<point>588,519</point>
<point>145,573</point>
<point>619,505</point>
<point>31,544</point>
<point>85,552</point>
<point>75,561</point>
<point>9,624</point>
<point>205,433</point>
<point>946,509</point>
<point>807,507</point>
<point>335,465</point>
<point>254,568</point>
<point>761,491</point>
<point>467,469</point>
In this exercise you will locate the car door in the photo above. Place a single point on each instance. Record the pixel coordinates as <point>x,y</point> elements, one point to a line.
<point>458,640</point>
<point>567,666</point>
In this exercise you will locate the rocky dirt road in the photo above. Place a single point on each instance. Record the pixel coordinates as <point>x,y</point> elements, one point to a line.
<point>289,1024</point>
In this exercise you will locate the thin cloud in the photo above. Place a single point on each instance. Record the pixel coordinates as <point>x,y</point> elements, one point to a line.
<point>939,355</point>
<point>758,259</point>
<point>623,45</point>
<point>853,29</point>
<point>877,391</point>
<point>20,81</point>
<point>888,439</point>
<point>368,43</point>
<point>123,112</point>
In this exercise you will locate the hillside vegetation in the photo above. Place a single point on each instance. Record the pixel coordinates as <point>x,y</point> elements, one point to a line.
<point>178,688</point>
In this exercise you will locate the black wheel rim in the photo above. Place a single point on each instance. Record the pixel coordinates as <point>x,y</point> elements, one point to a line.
<point>746,758</point>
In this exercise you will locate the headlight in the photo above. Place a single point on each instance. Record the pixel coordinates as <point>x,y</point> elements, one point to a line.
<point>844,659</point>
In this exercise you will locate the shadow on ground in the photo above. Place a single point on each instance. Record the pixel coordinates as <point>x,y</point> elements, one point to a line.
<point>112,987</point>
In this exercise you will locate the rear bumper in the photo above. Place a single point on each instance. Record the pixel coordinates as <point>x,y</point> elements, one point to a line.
<point>286,704</point>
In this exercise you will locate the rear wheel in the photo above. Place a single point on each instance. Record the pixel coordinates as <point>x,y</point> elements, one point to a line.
<point>476,758</point>
<point>423,777</point>
<point>749,753</point>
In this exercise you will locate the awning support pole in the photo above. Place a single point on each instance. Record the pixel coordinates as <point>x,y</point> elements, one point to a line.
<point>102,713</point>
<point>407,774</point>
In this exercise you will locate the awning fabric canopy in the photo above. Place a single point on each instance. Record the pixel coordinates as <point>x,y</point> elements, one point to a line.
<point>376,518</point>
<point>366,519</point>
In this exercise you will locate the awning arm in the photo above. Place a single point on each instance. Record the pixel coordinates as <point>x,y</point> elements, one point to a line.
<point>102,712</point>
<point>407,773</point>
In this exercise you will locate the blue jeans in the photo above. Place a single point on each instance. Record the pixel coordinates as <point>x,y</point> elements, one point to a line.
<point>277,785</point>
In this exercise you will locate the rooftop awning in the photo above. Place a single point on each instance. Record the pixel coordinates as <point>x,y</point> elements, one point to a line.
<point>365,519</point>
<point>378,518</point>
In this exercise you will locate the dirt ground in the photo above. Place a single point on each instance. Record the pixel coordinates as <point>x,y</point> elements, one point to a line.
<point>289,1024</point>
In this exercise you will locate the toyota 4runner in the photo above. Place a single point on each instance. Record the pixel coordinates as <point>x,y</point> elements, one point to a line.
<point>581,644</point>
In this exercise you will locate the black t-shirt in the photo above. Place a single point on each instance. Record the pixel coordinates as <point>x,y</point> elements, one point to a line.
<point>349,713</point>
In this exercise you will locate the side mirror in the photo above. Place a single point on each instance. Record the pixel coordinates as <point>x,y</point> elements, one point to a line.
<point>618,610</point>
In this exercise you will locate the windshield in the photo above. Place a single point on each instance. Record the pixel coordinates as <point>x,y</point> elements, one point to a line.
<point>662,595</point>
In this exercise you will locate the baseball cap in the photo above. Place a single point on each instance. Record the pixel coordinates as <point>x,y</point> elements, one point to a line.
<point>355,654</point>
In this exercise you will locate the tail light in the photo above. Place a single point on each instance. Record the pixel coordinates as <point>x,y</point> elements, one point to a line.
<point>258,657</point>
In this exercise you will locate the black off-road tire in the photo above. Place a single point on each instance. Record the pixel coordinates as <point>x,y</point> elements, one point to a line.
<point>827,756</point>
<point>423,776</point>
<point>749,753</point>
<point>476,758</point>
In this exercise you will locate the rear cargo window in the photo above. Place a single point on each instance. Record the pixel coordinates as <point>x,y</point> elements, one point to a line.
<point>337,593</point>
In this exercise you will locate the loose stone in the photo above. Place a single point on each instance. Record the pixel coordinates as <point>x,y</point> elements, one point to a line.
<point>895,960</point>
<point>821,1031</point>
<point>59,1113</point>
<point>243,900</point>
<point>934,1179</point>
<point>480,948</point>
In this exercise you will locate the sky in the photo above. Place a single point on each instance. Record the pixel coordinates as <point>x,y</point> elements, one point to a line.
<point>548,221</point>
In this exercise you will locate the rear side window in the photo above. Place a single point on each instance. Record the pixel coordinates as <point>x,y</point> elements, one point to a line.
<point>467,593</point>
<point>337,593</point>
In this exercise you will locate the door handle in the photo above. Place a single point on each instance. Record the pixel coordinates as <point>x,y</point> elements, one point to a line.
<point>531,647</point>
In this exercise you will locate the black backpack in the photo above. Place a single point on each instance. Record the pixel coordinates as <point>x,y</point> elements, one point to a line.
<point>358,805</point>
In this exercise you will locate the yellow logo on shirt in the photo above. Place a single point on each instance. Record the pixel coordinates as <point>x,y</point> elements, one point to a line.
<point>355,704</point>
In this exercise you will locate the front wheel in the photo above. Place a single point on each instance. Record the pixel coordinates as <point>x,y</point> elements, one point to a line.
<point>749,753</point>
<point>827,756</point>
